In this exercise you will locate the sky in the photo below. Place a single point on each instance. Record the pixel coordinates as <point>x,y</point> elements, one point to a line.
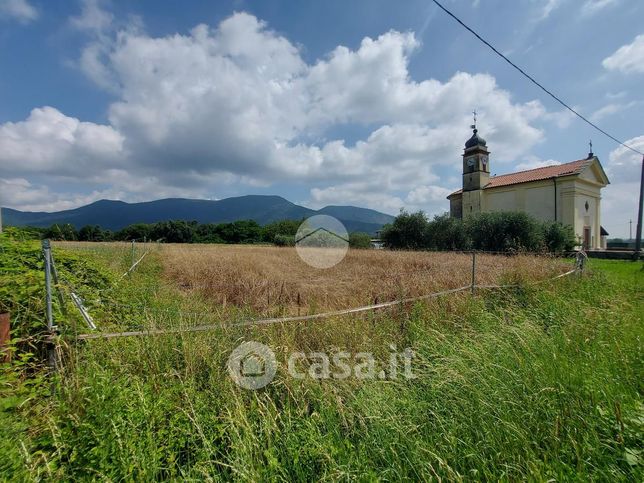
<point>329,102</point>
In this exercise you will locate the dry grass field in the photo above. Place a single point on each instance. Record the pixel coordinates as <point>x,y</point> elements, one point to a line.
<point>262,278</point>
<point>541,383</point>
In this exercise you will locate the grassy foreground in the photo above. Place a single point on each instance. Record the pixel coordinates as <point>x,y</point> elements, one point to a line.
<point>541,382</point>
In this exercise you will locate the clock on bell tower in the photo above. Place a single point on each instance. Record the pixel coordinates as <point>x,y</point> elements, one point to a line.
<point>476,165</point>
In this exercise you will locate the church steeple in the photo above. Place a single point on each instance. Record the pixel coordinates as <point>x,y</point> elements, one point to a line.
<point>475,140</point>
<point>476,166</point>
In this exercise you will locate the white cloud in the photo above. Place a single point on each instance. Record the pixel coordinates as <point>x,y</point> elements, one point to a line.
<point>93,18</point>
<point>548,7</point>
<point>591,7</point>
<point>623,164</point>
<point>237,103</point>
<point>534,162</point>
<point>610,109</point>
<point>48,142</point>
<point>20,10</point>
<point>38,197</point>
<point>424,195</point>
<point>361,194</point>
<point>628,58</point>
<point>620,198</point>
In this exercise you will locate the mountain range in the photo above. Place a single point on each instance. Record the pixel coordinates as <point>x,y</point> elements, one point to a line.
<point>114,215</point>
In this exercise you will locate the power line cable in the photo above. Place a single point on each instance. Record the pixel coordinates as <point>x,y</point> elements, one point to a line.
<point>534,81</point>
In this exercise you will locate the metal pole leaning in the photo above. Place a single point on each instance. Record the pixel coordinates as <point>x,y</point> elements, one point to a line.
<point>46,250</point>
<point>51,348</point>
<point>59,291</point>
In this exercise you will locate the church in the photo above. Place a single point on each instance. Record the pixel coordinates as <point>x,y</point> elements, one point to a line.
<point>569,193</point>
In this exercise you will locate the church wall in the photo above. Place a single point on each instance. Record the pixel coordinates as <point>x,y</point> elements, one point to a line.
<point>540,202</point>
<point>535,198</point>
<point>456,206</point>
<point>497,200</point>
<point>587,193</point>
<point>472,202</point>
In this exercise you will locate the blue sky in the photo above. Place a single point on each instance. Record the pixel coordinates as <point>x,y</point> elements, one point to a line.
<point>363,102</point>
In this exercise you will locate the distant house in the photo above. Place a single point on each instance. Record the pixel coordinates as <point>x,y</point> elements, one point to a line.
<point>569,193</point>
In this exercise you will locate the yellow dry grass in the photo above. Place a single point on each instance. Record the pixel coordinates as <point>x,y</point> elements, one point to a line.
<point>271,280</point>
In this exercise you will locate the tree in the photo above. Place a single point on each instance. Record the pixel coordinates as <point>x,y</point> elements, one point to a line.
<point>505,231</point>
<point>446,233</point>
<point>500,231</point>
<point>557,237</point>
<point>94,233</point>
<point>207,233</point>
<point>408,231</point>
<point>176,231</point>
<point>242,231</point>
<point>283,227</point>
<point>137,231</point>
<point>64,232</point>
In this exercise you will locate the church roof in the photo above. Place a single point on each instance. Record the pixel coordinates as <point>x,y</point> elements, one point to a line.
<point>537,174</point>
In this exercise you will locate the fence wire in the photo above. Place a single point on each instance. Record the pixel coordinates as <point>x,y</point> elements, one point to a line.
<point>299,318</point>
<point>303,318</point>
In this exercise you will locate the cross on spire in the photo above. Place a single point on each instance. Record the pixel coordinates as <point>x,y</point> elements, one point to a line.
<point>474,112</point>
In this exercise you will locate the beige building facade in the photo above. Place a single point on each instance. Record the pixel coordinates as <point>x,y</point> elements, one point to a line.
<point>569,193</point>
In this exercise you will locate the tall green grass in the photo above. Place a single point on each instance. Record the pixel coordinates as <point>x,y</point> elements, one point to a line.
<point>533,383</point>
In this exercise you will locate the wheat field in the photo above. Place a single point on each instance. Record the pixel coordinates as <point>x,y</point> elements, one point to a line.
<point>262,278</point>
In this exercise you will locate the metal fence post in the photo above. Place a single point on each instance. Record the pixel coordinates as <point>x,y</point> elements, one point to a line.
<point>51,348</point>
<point>46,249</point>
<point>473,273</point>
<point>132,258</point>
<point>59,291</point>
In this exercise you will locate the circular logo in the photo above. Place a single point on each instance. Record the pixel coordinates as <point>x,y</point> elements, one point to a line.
<point>322,241</point>
<point>252,365</point>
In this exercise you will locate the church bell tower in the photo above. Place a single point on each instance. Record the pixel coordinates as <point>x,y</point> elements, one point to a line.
<point>476,172</point>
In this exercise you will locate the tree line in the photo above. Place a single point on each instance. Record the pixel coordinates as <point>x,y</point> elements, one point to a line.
<point>281,233</point>
<point>501,231</point>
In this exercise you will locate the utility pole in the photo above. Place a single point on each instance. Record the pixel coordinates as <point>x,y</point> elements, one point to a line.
<point>638,236</point>
<point>630,230</point>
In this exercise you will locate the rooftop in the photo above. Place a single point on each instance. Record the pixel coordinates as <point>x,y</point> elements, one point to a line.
<point>537,174</point>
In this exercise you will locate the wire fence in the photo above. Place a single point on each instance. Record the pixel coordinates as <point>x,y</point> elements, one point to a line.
<point>257,321</point>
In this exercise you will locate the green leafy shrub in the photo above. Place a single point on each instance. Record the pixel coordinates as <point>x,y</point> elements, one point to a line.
<point>446,233</point>
<point>558,237</point>
<point>283,227</point>
<point>509,231</point>
<point>359,240</point>
<point>284,240</point>
<point>505,231</point>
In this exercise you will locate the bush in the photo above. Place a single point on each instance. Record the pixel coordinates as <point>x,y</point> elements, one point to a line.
<point>359,240</point>
<point>557,237</point>
<point>283,227</point>
<point>64,232</point>
<point>505,231</point>
<point>284,240</point>
<point>446,233</point>
<point>94,233</point>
